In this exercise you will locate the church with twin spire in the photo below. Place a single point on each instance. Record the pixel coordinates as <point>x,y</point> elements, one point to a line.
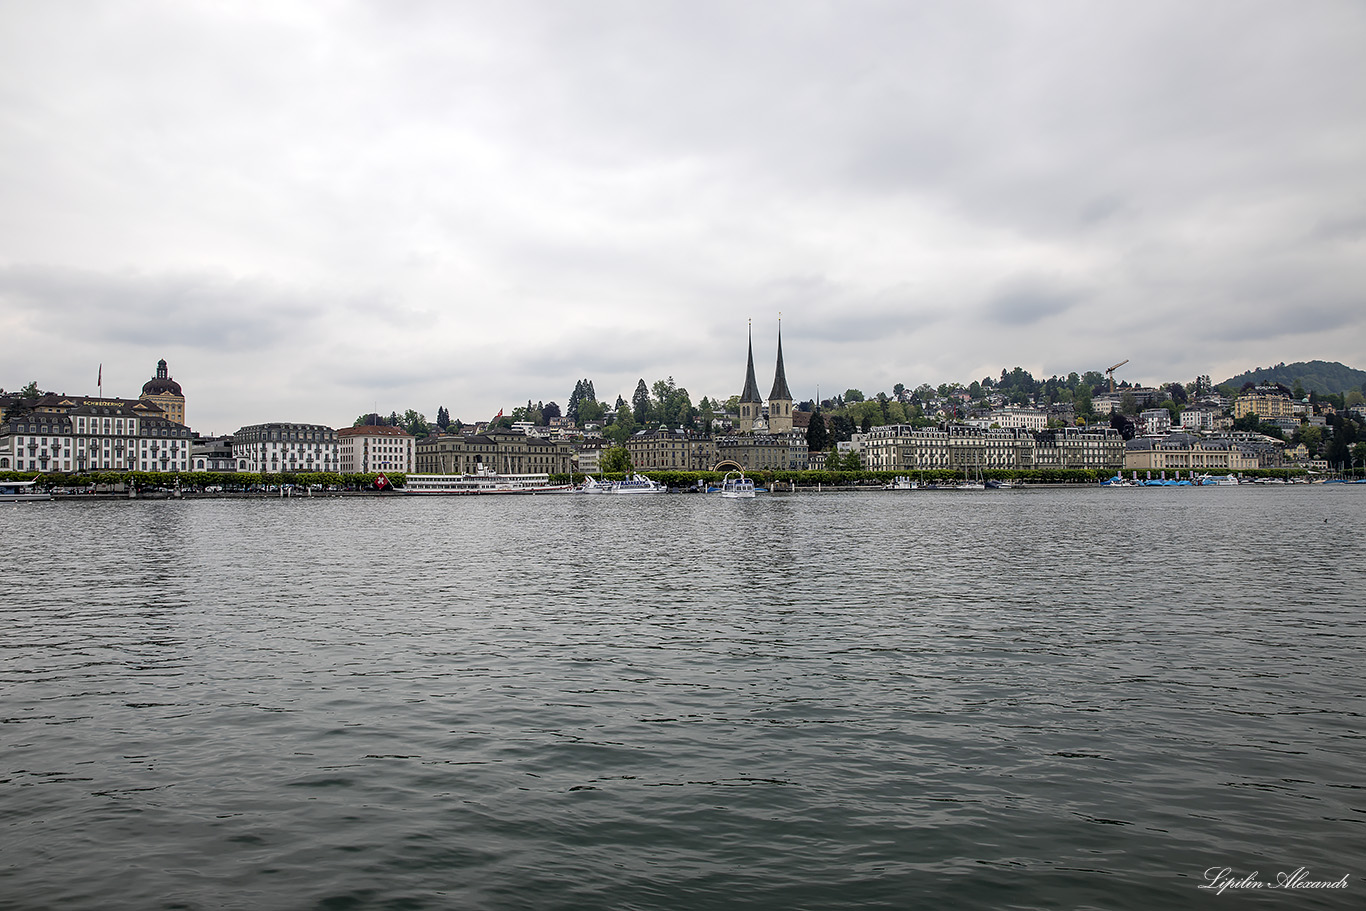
<point>770,436</point>
<point>779,418</point>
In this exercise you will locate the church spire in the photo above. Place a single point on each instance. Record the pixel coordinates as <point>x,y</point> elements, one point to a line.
<point>780,399</point>
<point>751,406</point>
<point>751,393</point>
<point>780,391</point>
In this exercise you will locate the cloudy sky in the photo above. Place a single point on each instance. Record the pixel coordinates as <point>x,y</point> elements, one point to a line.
<point>315,210</point>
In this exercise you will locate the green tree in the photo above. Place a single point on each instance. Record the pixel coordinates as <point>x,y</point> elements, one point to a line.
<point>583,392</point>
<point>1312,438</point>
<point>622,426</point>
<point>816,435</point>
<point>31,391</point>
<point>591,412</point>
<point>841,428</point>
<point>706,411</point>
<point>415,423</point>
<point>853,395</point>
<point>1081,403</point>
<point>640,403</point>
<point>616,459</point>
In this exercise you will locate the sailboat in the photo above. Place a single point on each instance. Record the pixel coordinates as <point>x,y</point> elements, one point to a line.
<point>968,483</point>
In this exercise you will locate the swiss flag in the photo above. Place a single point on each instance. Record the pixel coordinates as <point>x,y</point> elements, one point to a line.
<point>381,482</point>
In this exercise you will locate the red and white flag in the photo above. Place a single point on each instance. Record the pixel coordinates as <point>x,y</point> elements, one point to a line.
<point>381,482</point>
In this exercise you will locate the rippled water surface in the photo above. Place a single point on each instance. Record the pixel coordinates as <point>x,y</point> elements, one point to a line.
<point>998,699</point>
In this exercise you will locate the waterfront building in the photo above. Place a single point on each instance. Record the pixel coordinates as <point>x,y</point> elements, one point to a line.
<point>278,447</point>
<point>671,450</point>
<point>1185,452</point>
<point>212,454</point>
<point>765,451</point>
<point>374,448</point>
<point>1097,448</point>
<point>497,450</point>
<point>588,453</point>
<point>959,447</point>
<point>34,442</point>
<point>77,433</point>
<point>952,446</point>
<point>165,393</point>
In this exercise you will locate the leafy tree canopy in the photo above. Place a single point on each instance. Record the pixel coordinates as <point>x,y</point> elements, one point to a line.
<point>1326,377</point>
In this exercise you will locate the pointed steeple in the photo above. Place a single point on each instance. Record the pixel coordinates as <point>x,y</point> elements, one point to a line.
<point>780,391</point>
<point>751,393</point>
<point>780,399</point>
<point>751,406</point>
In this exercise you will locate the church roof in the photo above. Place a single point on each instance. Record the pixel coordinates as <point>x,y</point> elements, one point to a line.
<point>780,391</point>
<point>161,384</point>
<point>751,393</point>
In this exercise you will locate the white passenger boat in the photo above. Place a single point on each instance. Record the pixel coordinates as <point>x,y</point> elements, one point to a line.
<point>484,482</point>
<point>632,485</point>
<point>737,486</point>
<point>21,491</point>
<point>638,484</point>
<point>593,485</point>
<point>901,482</point>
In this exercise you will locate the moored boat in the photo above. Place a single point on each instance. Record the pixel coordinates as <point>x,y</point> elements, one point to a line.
<point>21,491</point>
<point>483,482</point>
<point>593,485</point>
<point>637,484</point>
<point>736,486</point>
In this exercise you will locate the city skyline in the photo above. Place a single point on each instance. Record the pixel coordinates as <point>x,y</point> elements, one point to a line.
<point>316,212</point>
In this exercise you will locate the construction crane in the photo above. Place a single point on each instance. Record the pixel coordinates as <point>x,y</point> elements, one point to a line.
<point>1112,370</point>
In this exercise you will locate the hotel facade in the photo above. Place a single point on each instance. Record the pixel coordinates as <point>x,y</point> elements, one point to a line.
<point>279,447</point>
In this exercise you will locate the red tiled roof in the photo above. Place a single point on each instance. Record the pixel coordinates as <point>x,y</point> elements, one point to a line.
<point>373,430</point>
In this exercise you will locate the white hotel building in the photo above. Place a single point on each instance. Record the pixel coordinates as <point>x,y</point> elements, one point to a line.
<point>367,449</point>
<point>277,447</point>
<point>58,433</point>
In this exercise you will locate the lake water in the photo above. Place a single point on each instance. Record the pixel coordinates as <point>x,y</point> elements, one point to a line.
<point>1000,699</point>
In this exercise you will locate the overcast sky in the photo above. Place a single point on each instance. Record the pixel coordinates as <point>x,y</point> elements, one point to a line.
<point>316,210</point>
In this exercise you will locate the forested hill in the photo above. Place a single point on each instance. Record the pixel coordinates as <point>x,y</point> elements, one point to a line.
<point>1314,376</point>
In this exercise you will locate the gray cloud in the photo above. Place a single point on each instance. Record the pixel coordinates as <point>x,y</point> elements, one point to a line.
<point>189,310</point>
<point>310,210</point>
<point>1026,302</point>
